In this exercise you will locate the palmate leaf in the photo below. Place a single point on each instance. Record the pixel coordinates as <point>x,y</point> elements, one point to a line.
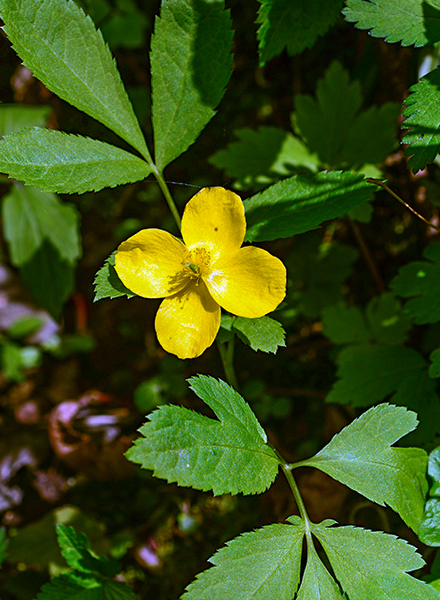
<point>259,565</point>
<point>31,216</point>
<point>295,25</point>
<point>190,66</point>
<point>422,114</point>
<point>61,46</point>
<point>361,457</point>
<point>59,162</point>
<point>302,203</point>
<point>227,456</point>
<point>373,565</point>
<point>411,22</point>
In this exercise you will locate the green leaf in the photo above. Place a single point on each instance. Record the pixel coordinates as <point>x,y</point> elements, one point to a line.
<point>66,163</point>
<point>411,22</point>
<point>420,281</point>
<point>373,565</point>
<point>49,278</point>
<point>24,327</point>
<point>229,455</point>
<point>423,117</point>
<point>16,116</point>
<point>258,565</point>
<point>3,544</point>
<point>260,157</point>
<point>61,46</point>
<point>69,587</point>
<point>190,67</point>
<point>302,203</point>
<point>75,548</point>
<point>317,583</point>
<point>107,283</point>
<point>368,373</point>
<point>434,369</point>
<point>429,530</point>
<point>345,324</point>
<point>263,334</point>
<point>11,362</point>
<point>360,457</point>
<point>332,126</point>
<point>295,25</point>
<point>31,216</point>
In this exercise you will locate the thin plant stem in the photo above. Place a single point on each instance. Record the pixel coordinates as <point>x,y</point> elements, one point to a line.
<point>227,355</point>
<point>166,192</point>
<point>295,491</point>
<point>367,256</point>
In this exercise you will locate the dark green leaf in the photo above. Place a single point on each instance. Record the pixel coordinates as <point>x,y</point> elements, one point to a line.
<point>31,216</point>
<point>190,66</point>
<point>411,22</point>
<point>258,565</point>
<point>59,162</point>
<point>229,455</point>
<point>302,203</point>
<point>422,114</point>
<point>3,544</point>
<point>434,369</point>
<point>61,46</point>
<point>295,25</point>
<point>260,157</point>
<point>361,457</point>
<point>420,281</point>
<point>70,587</point>
<point>263,334</point>
<point>107,283</point>
<point>345,324</point>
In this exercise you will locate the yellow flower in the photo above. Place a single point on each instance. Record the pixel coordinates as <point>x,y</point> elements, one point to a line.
<point>208,271</point>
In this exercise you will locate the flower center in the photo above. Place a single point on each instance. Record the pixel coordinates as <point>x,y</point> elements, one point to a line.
<point>196,263</point>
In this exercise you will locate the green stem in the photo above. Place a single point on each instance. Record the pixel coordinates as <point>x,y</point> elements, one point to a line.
<point>295,491</point>
<point>166,192</point>
<point>227,356</point>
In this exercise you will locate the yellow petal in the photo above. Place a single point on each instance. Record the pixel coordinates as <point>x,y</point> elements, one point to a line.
<point>214,219</point>
<point>187,323</point>
<point>249,283</point>
<point>150,263</point>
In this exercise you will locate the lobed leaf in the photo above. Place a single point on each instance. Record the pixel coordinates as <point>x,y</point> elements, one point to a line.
<point>295,25</point>
<point>229,455</point>
<point>190,67</point>
<point>411,22</point>
<point>107,283</point>
<point>361,457</point>
<point>59,162</point>
<point>259,565</point>
<point>61,46</point>
<point>373,565</point>
<point>302,203</point>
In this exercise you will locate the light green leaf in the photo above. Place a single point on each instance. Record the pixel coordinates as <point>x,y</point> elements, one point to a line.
<point>59,162</point>
<point>295,25</point>
<point>190,66</point>
<point>420,281</point>
<point>61,46</point>
<point>228,456</point>
<point>107,283</point>
<point>260,157</point>
<point>302,203</point>
<point>31,216</point>
<point>16,116</point>
<point>75,548</point>
<point>368,373</point>
<point>373,565</point>
<point>422,114</point>
<point>360,457</point>
<point>411,22</point>
<point>263,334</point>
<point>429,530</point>
<point>259,565</point>
<point>317,583</point>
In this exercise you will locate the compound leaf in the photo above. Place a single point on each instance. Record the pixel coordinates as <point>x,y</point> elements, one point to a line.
<point>411,22</point>
<point>229,455</point>
<point>259,565</point>
<point>31,216</point>
<point>373,565</point>
<point>61,46</point>
<point>420,281</point>
<point>59,162</point>
<point>361,457</point>
<point>422,114</point>
<point>263,334</point>
<point>107,283</point>
<point>190,66</point>
<point>295,25</point>
<point>302,203</point>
